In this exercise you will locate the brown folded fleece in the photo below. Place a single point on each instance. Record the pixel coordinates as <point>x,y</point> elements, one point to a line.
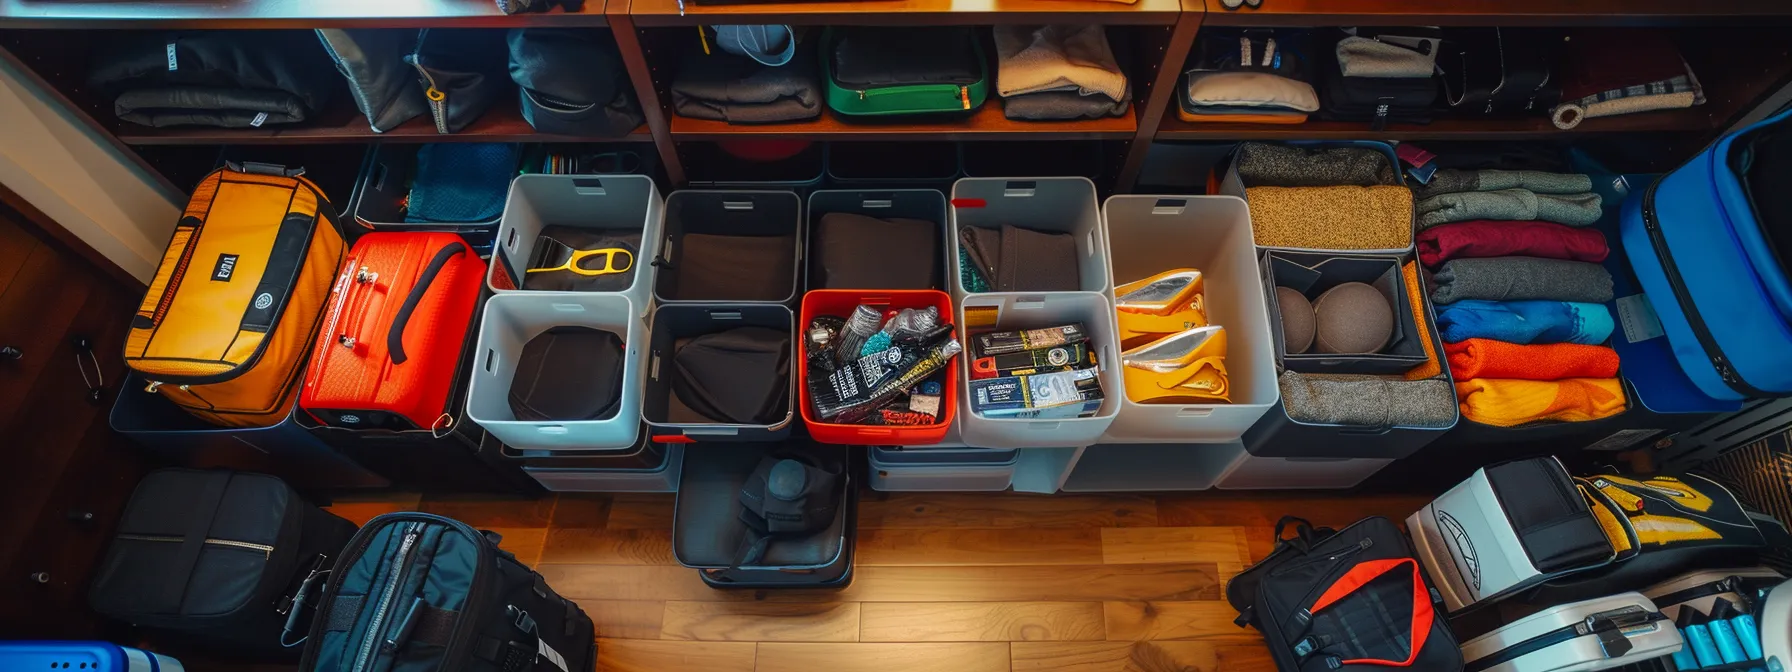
<point>1332,218</point>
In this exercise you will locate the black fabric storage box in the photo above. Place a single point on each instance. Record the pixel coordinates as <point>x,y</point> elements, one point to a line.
<point>706,528</point>
<point>213,557</point>
<point>662,408</point>
<point>1312,274</point>
<point>917,204</point>
<point>769,222</point>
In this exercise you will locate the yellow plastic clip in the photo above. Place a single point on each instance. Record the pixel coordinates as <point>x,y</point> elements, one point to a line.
<point>573,263</point>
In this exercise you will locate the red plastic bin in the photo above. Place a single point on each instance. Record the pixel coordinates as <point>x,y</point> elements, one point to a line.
<point>840,303</point>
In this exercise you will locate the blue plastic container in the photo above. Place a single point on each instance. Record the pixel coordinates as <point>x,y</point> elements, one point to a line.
<point>103,656</point>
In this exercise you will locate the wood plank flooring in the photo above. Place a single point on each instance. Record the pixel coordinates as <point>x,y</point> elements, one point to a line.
<point>944,582</point>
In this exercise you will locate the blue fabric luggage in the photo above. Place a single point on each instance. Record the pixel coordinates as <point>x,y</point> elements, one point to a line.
<point>1708,263</point>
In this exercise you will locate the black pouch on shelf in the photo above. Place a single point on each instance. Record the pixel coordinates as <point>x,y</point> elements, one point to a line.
<point>572,82</point>
<point>569,373</point>
<point>372,60</point>
<point>1500,71</point>
<point>227,79</point>
<point>462,73</point>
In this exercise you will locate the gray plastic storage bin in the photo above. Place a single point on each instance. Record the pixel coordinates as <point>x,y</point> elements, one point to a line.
<point>706,529</point>
<point>645,467</point>
<point>1011,311</point>
<point>510,321</point>
<point>1251,472</point>
<point>1051,204</point>
<point>623,203</point>
<point>942,469</point>
<point>731,213</point>
<point>675,321</point>
<point>1148,235</point>
<point>285,449</point>
<point>1233,185</point>
<point>922,204</point>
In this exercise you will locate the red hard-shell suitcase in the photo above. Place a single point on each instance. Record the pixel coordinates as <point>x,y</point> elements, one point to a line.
<point>397,322</point>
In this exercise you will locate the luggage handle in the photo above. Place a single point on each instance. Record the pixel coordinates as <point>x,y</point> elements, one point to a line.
<point>1303,533</point>
<point>354,275</point>
<point>261,168</point>
<point>395,335</point>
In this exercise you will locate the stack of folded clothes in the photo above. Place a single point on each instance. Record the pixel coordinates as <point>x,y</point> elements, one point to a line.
<point>1382,75</point>
<point>1520,295</point>
<point>1059,72</point>
<point>1609,73</point>
<point>1298,196</point>
<point>748,81</point>
<point>1248,76</point>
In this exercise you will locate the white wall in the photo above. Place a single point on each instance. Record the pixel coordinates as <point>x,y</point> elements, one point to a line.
<point>81,181</point>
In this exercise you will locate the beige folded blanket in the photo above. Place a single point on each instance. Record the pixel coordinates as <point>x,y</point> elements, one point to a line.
<point>1332,218</point>
<point>1050,58</point>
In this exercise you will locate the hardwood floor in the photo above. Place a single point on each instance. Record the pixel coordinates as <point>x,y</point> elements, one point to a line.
<point>944,582</point>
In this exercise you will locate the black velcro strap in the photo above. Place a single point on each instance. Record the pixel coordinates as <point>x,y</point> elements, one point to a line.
<point>435,626</point>
<point>343,613</point>
<point>285,261</point>
<point>205,509</point>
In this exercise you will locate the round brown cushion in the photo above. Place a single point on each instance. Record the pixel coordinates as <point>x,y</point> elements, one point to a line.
<point>1297,320</point>
<point>1352,319</point>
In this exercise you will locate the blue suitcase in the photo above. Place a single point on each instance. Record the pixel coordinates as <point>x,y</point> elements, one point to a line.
<point>1709,267</point>
<point>82,656</point>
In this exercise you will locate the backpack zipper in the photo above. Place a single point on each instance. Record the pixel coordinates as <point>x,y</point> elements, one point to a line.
<point>266,550</point>
<point>394,579</point>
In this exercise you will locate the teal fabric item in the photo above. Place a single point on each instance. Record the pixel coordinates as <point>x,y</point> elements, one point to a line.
<point>1525,322</point>
<point>968,275</point>
<point>462,182</point>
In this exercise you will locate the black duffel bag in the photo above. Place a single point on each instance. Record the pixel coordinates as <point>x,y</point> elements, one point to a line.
<point>416,591</point>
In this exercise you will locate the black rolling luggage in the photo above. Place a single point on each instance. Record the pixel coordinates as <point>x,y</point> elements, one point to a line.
<point>417,592</point>
<point>214,558</point>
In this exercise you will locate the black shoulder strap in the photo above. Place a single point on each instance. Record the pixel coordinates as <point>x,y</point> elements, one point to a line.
<point>174,591</point>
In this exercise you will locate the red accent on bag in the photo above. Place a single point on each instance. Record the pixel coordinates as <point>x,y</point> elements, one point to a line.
<point>1360,576</point>
<point>397,324</point>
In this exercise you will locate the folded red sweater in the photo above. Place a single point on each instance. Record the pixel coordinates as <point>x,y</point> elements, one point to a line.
<point>1487,238</point>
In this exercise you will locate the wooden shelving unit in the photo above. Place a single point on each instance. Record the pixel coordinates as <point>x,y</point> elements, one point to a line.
<point>1737,47</point>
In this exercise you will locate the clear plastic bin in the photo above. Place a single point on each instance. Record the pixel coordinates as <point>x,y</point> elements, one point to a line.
<point>1006,311</point>
<point>1050,204</point>
<point>514,318</point>
<point>1148,235</point>
<point>621,203</point>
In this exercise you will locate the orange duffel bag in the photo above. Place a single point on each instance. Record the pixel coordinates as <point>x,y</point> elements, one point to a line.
<point>226,325</point>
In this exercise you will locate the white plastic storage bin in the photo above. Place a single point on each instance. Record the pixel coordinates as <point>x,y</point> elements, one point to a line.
<point>1034,311</point>
<point>1053,204</point>
<point>624,203</point>
<point>1250,472</point>
<point>510,321</point>
<point>1148,235</point>
<point>942,469</point>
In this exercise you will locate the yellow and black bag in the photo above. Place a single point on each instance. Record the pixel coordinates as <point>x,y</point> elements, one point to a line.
<point>229,319</point>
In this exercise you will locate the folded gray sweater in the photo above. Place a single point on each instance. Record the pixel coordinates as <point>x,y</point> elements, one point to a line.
<point>1521,279</point>
<point>1509,204</point>
<point>1450,181</point>
<point>1266,165</point>
<point>730,88</point>
<point>1367,401</point>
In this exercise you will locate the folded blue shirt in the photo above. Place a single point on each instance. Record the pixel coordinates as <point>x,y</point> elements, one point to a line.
<point>1525,322</point>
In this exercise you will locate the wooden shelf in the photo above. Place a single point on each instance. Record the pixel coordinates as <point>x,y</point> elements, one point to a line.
<point>502,123</point>
<point>647,13</point>
<point>987,123</point>
<point>284,14</point>
<point>1319,13</point>
<point>1531,128</point>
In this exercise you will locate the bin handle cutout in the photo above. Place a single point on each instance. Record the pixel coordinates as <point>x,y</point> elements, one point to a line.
<point>876,432</point>
<point>551,429</point>
<point>1028,303</point>
<point>568,307</point>
<point>1044,426</point>
<point>588,187</point>
<point>491,360</point>
<point>711,431</point>
<point>724,315</point>
<point>737,205</point>
<point>1020,189</point>
<point>1317,459</point>
<point>653,369</point>
<point>1365,431</point>
<point>380,175</point>
<point>1169,206</point>
<point>1107,355</point>
<point>1194,412</point>
<point>1089,244</point>
<point>511,243</point>
<point>877,203</point>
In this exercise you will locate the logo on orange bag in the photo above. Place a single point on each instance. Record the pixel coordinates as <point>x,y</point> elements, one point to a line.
<point>225,266</point>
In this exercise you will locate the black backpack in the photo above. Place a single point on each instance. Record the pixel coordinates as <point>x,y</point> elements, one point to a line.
<point>1351,599</point>
<point>416,591</point>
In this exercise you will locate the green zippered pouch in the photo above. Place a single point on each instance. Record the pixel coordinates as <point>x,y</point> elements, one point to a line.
<point>955,94</point>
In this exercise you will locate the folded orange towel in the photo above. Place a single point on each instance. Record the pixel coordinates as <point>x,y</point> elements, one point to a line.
<point>1415,295</point>
<point>1488,358</point>
<point>1509,403</point>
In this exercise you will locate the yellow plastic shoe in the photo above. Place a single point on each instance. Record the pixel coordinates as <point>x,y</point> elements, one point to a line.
<point>1167,303</point>
<point>1188,367</point>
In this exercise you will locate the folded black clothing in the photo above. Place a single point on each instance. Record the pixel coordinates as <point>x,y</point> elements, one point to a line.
<point>739,376</point>
<point>230,79</point>
<point>738,90</point>
<point>1015,259</point>
<point>854,251</point>
<point>1399,99</point>
<point>568,373</point>
<point>1047,105</point>
<point>574,239</point>
<point>865,57</point>
<point>709,267</point>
